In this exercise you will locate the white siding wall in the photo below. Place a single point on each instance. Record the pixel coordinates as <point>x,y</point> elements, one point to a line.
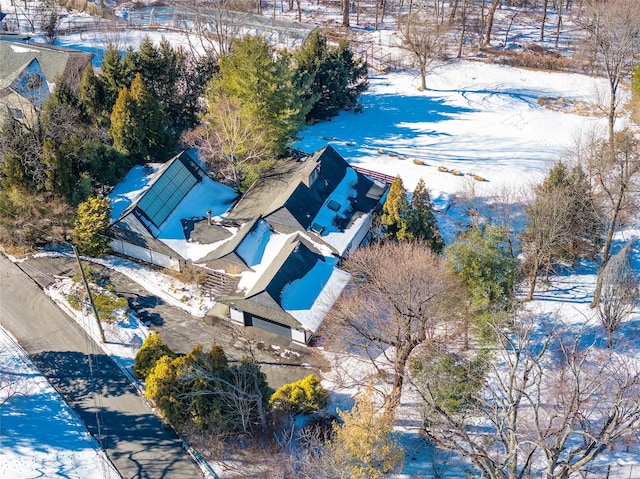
<point>359,236</point>
<point>236,316</point>
<point>299,336</point>
<point>144,254</point>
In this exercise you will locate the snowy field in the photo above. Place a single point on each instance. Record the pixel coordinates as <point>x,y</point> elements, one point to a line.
<point>476,118</point>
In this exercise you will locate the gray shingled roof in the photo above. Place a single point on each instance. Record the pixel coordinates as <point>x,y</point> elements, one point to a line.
<point>56,62</point>
<point>296,258</point>
<point>253,307</point>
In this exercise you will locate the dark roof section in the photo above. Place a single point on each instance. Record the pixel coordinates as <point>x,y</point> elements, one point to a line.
<point>121,232</point>
<point>291,196</point>
<point>296,258</point>
<point>228,248</point>
<point>56,62</point>
<point>293,261</point>
<point>272,313</point>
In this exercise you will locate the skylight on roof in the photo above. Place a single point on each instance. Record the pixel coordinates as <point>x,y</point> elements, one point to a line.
<point>317,228</point>
<point>333,205</point>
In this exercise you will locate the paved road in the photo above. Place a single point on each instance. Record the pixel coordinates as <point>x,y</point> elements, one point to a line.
<point>133,437</point>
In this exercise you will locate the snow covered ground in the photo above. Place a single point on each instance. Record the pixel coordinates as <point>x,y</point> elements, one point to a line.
<point>477,118</point>
<point>40,435</point>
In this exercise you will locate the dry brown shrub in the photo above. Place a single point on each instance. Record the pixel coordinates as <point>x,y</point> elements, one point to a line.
<point>190,274</point>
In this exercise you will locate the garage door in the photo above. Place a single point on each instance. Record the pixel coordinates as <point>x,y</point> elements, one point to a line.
<point>268,325</point>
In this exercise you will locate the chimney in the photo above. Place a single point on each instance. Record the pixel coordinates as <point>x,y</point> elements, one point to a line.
<point>209,217</point>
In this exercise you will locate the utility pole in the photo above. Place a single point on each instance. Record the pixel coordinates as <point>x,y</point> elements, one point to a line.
<point>93,305</point>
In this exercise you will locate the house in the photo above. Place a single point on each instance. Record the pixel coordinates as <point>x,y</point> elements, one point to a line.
<point>28,72</point>
<point>271,255</point>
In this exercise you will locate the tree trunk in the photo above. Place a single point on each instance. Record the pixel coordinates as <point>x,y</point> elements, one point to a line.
<point>545,5</point>
<point>490,16</point>
<point>345,13</point>
<point>423,77</point>
<point>533,278</point>
<point>462,30</point>
<point>392,401</point>
<point>606,253</point>
<point>559,24</point>
<point>375,25</point>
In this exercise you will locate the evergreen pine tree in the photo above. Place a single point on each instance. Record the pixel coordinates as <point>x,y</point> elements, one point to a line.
<point>117,73</point>
<point>138,126</point>
<point>423,224</point>
<point>483,260</point>
<point>123,129</point>
<point>92,221</point>
<point>331,77</point>
<point>152,122</point>
<point>395,211</point>
<point>92,96</point>
<point>264,84</point>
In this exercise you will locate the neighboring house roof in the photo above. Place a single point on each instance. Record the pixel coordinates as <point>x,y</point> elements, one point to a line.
<point>31,69</point>
<point>56,62</point>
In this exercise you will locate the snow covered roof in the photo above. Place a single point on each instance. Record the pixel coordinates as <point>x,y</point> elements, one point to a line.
<point>164,203</point>
<point>294,283</point>
<point>270,240</point>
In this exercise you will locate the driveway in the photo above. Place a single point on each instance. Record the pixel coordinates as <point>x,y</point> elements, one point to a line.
<point>137,442</point>
<point>280,359</point>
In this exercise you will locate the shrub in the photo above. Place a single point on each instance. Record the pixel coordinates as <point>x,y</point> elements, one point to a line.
<point>151,351</point>
<point>107,304</point>
<point>162,387</point>
<point>305,396</point>
<point>89,231</point>
<point>190,274</point>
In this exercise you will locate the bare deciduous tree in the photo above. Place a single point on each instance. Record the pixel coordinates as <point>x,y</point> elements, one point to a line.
<point>10,387</point>
<point>489,21</point>
<point>545,235</point>
<point>619,294</point>
<point>231,140</point>
<point>242,392</point>
<point>615,176</point>
<point>548,399</point>
<point>49,19</point>
<point>424,38</point>
<point>215,27</point>
<point>614,26</point>
<point>401,295</point>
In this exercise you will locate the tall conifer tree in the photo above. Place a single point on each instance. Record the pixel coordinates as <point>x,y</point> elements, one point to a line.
<point>395,210</point>
<point>423,225</point>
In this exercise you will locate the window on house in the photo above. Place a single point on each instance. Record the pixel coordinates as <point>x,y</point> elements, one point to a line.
<point>313,176</point>
<point>317,228</point>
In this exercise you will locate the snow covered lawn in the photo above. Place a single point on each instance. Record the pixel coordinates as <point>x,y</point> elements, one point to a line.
<point>489,120</point>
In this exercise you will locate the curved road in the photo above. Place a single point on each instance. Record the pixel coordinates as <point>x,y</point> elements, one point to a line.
<point>132,436</point>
